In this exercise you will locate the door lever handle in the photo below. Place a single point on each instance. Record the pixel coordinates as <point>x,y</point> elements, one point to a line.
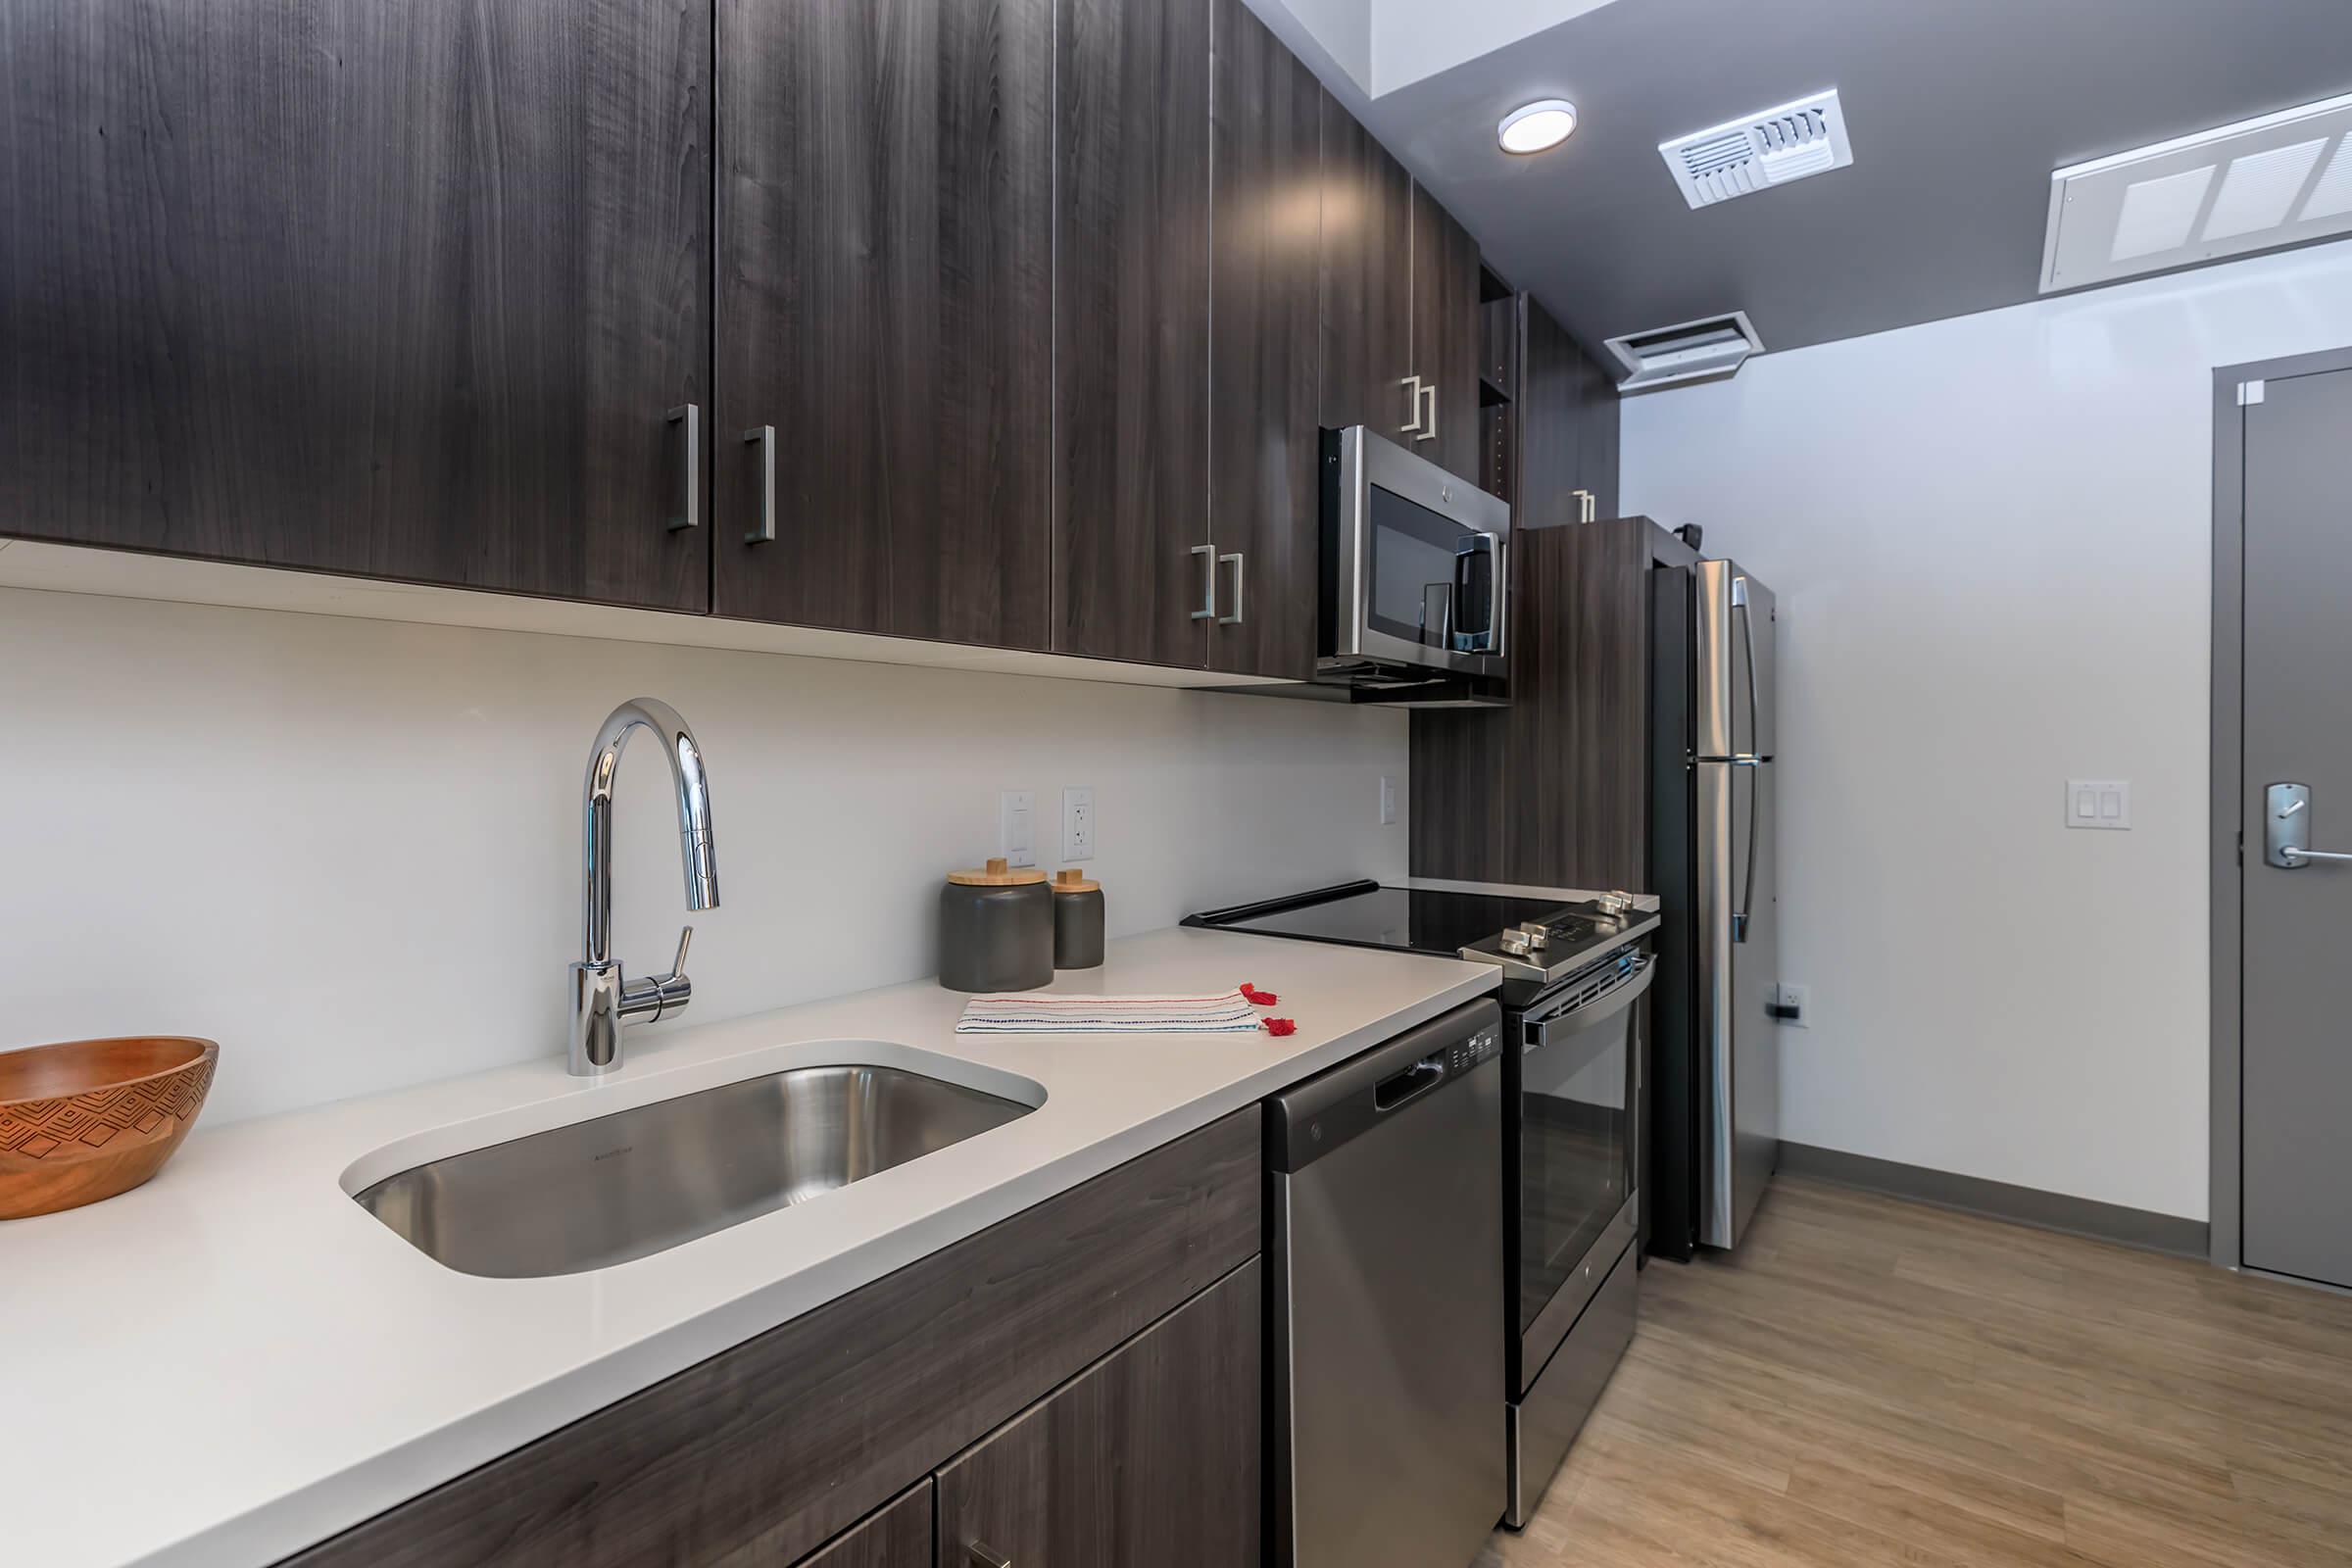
<point>2287,834</point>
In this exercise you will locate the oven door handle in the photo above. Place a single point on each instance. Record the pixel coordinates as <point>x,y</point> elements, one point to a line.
<point>1591,1014</point>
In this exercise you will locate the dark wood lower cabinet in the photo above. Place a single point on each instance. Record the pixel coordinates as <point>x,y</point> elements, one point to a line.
<point>763,1453</point>
<point>1149,1459</point>
<point>899,1536</point>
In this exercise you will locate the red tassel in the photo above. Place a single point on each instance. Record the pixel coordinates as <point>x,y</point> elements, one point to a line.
<point>1280,1026</point>
<point>1257,998</point>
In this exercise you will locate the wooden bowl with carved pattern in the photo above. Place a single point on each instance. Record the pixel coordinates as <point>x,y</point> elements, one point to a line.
<point>91,1119</point>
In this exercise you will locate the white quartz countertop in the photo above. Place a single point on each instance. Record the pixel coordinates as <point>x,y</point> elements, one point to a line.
<point>236,1360</point>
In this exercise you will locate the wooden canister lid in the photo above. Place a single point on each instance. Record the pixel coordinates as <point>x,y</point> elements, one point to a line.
<point>996,873</point>
<point>1073,880</point>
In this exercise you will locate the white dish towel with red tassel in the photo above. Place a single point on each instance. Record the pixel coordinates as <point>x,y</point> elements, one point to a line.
<point>1062,1012</point>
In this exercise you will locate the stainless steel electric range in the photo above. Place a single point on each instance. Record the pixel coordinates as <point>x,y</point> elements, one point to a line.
<point>1574,967</point>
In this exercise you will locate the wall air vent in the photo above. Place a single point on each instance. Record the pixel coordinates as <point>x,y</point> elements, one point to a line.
<point>1711,346</point>
<point>2251,186</point>
<point>1756,152</point>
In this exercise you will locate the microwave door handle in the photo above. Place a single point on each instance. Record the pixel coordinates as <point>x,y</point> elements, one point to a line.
<point>1486,638</point>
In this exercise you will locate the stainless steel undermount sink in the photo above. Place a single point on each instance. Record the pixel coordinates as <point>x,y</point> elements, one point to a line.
<point>641,1181</point>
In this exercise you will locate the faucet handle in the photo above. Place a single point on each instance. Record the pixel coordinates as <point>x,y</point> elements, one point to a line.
<point>677,965</point>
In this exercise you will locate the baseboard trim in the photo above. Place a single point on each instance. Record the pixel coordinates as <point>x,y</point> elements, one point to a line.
<point>2022,1206</point>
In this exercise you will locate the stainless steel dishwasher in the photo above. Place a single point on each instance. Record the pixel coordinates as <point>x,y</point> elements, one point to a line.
<point>1386,1240</point>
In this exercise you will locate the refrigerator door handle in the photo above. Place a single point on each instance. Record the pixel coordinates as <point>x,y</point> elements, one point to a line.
<point>1755,795</point>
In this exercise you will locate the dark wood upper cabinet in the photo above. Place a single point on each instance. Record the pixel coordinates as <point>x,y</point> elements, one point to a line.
<point>1149,1459</point>
<point>1263,435</point>
<point>885,307</point>
<point>1568,431</point>
<point>401,291</point>
<point>1132,314</point>
<point>1447,336</point>
<point>1367,304</point>
<point>1554,382</point>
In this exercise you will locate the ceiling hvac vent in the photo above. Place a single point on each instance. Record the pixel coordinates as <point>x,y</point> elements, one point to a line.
<point>1759,151</point>
<point>1713,345</point>
<point>2251,186</point>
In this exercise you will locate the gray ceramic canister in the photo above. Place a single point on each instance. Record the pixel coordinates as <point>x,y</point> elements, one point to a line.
<point>995,929</point>
<point>1077,921</point>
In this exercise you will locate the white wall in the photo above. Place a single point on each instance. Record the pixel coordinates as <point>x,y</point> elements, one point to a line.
<point>1992,541</point>
<point>1411,39</point>
<point>349,850</point>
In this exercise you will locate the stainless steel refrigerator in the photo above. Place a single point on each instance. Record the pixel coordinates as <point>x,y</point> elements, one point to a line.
<point>1714,1095</point>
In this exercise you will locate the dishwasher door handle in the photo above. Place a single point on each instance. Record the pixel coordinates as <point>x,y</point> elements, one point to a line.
<point>1402,1089</point>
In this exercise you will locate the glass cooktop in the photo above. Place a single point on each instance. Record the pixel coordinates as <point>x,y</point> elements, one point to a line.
<point>1410,920</point>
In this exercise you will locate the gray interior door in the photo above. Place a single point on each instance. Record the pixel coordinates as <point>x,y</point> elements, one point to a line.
<point>2296,1131</point>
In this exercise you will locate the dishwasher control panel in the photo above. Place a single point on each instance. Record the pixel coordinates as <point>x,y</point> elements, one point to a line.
<point>1464,1054</point>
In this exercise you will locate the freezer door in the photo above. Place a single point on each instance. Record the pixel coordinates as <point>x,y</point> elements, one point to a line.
<point>1732,664</point>
<point>1738,973</point>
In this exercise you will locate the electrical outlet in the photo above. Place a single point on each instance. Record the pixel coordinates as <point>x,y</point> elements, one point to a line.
<point>1017,832</point>
<point>1388,801</point>
<point>1795,1005</point>
<point>1078,822</point>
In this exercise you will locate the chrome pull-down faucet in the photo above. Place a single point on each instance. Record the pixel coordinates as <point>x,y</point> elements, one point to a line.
<point>602,1000</point>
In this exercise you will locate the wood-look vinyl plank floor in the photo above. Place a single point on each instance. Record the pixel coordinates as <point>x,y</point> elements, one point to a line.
<point>1871,1382</point>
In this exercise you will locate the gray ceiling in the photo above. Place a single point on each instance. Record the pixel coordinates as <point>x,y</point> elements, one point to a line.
<point>1958,110</point>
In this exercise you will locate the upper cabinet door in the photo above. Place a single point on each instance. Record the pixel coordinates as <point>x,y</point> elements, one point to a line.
<point>1446,344</point>
<point>884,309</point>
<point>406,291</point>
<point>1264,438</point>
<point>1131,554</point>
<point>1148,1459</point>
<point>1367,288</point>
<point>1555,387</point>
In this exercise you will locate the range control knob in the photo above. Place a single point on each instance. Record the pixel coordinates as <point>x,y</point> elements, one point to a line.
<point>1536,936</point>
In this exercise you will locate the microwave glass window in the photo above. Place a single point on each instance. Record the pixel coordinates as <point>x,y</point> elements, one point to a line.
<point>1412,569</point>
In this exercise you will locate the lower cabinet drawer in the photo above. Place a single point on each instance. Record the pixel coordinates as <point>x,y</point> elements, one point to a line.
<point>899,1536</point>
<point>1148,1459</point>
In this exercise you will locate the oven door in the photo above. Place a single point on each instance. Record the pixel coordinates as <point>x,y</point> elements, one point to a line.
<point>1420,567</point>
<point>1575,1208</point>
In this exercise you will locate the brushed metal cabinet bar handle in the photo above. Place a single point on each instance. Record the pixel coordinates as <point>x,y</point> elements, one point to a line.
<point>982,1555</point>
<point>1412,404</point>
<point>1429,431</point>
<point>690,512</point>
<point>1234,619</point>
<point>1208,582</point>
<point>765,533</point>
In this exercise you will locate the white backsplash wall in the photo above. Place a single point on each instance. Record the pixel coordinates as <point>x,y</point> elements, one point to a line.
<point>349,850</point>
<point>1991,542</point>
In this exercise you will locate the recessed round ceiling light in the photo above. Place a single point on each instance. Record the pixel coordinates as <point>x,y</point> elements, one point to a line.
<point>1534,128</point>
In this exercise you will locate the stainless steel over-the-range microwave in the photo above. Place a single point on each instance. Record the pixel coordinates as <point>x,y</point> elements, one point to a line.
<point>1416,566</point>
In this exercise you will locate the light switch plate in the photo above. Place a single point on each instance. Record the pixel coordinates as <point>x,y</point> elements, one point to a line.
<point>1016,828</point>
<point>1078,822</point>
<point>2098,803</point>
<point>1388,801</point>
